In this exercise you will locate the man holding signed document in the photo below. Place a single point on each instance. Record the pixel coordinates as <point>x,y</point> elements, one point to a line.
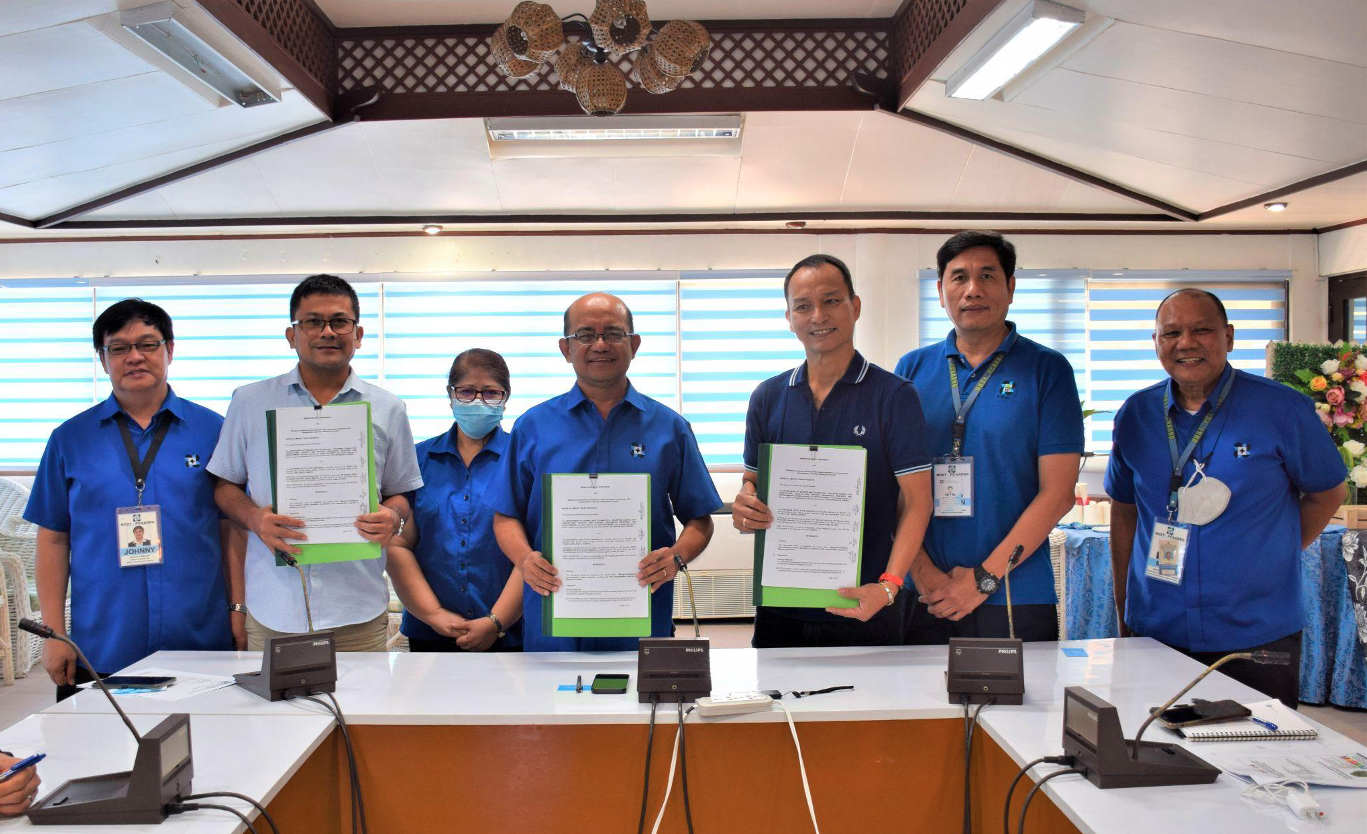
<point>831,449</point>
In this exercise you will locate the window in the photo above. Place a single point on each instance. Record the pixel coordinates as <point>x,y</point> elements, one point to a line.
<point>708,339</point>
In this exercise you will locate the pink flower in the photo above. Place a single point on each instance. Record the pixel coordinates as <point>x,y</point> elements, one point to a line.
<point>1341,417</point>
<point>1334,396</point>
<point>1325,419</point>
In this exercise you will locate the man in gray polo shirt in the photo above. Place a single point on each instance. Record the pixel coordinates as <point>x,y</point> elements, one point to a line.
<point>349,598</point>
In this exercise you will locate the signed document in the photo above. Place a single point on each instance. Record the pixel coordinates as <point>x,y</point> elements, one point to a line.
<point>323,473</point>
<point>816,494</point>
<point>596,530</point>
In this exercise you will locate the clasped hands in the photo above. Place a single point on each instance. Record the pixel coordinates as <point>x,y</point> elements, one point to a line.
<point>472,635</point>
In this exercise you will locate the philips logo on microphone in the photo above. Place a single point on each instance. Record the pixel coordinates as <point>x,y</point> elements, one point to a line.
<point>1006,651</point>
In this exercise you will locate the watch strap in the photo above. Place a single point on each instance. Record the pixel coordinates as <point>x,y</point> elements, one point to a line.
<point>498,624</point>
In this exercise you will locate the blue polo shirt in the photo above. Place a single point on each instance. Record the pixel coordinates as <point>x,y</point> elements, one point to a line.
<point>867,407</point>
<point>566,434</point>
<point>1241,584</point>
<point>1029,408</point>
<point>456,549</point>
<point>121,615</point>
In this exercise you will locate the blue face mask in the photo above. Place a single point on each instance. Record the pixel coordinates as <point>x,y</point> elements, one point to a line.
<point>476,419</point>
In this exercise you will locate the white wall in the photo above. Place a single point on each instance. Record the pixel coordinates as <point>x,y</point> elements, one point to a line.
<point>884,265</point>
<point>1343,251</point>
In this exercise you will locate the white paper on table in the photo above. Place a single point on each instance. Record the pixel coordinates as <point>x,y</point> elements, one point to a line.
<point>187,685</point>
<point>322,470</point>
<point>1340,767</point>
<point>817,499</point>
<point>600,534</point>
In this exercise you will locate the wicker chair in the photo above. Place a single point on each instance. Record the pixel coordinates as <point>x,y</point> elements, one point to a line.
<point>1058,560</point>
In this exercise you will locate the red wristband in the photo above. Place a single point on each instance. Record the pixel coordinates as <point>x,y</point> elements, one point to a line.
<point>887,577</point>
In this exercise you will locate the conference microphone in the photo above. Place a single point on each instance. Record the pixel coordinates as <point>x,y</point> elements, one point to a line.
<point>1261,656</point>
<point>161,774</point>
<point>46,632</point>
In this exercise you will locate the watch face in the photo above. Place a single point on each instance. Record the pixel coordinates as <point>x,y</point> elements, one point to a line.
<point>987,583</point>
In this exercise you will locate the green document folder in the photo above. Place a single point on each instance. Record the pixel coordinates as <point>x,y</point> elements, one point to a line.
<point>317,554</point>
<point>553,626</point>
<point>779,597</point>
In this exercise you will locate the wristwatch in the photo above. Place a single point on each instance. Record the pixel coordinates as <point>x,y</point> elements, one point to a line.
<point>237,606</point>
<point>498,624</point>
<point>987,583</point>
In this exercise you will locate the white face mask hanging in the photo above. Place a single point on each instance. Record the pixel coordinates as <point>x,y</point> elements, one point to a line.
<point>1203,502</point>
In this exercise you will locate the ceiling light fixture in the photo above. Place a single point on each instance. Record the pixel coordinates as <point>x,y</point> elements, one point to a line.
<point>1028,36</point>
<point>534,33</point>
<point>613,129</point>
<point>165,27</point>
<point>1275,206</point>
<point>431,229</point>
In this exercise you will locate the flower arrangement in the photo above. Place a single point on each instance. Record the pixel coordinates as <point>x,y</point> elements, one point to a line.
<point>1338,388</point>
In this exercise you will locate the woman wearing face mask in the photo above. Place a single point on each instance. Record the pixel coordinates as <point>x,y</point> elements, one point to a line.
<point>459,591</point>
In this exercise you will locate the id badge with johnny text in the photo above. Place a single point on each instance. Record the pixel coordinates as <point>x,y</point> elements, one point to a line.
<point>139,535</point>
<point>1167,551</point>
<point>953,487</point>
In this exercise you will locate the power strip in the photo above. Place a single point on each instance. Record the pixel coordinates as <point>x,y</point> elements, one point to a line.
<point>734,703</point>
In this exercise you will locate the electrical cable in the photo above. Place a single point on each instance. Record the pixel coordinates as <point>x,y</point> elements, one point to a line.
<point>673,760</point>
<point>969,726</point>
<point>683,762</point>
<point>801,767</point>
<point>182,807</point>
<point>358,820</point>
<point>1006,810</point>
<point>260,809</point>
<point>1020,828</point>
<point>1292,794</point>
<point>650,743</point>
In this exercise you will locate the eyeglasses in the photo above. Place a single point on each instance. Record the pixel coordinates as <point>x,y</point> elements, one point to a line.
<point>588,337</point>
<point>146,348</point>
<point>490,396</point>
<point>340,325</point>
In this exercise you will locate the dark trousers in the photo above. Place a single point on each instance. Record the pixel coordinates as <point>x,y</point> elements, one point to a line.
<point>1033,623</point>
<point>82,676</point>
<point>775,629</point>
<point>416,644</point>
<point>1280,682</point>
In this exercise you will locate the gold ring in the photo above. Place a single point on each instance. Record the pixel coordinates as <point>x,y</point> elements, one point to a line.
<point>744,522</point>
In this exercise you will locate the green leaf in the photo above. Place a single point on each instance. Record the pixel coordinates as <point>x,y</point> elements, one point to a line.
<point>1305,376</point>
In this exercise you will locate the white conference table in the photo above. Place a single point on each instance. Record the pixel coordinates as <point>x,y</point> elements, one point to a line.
<point>253,746</point>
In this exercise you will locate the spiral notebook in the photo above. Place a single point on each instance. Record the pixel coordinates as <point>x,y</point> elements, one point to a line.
<point>1290,726</point>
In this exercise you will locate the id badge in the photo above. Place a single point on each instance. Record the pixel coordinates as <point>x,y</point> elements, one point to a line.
<point>1167,551</point>
<point>139,535</point>
<point>953,490</point>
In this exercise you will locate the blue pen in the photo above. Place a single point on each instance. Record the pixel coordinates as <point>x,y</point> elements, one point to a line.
<point>1264,724</point>
<point>21,765</point>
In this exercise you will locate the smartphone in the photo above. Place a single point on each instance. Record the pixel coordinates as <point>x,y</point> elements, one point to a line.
<point>1202,712</point>
<point>610,684</point>
<point>138,681</point>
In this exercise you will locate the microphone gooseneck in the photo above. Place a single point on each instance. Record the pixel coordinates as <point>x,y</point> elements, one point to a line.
<point>1006,578</point>
<point>46,632</point>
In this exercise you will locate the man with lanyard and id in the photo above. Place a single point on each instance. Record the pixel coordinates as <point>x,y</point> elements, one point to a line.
<point>134,462</point>
<point>1003,416</point>
<point>1219,478</point>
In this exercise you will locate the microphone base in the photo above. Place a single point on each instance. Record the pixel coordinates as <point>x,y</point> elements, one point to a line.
<point>985,669</point>
<point>672,669</point>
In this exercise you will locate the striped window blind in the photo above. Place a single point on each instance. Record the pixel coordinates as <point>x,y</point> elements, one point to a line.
<point>1050,307</point>
<point>426,324</point>
<point>1120,320</point>
<point>732,336</point>
<point>1359,320</point>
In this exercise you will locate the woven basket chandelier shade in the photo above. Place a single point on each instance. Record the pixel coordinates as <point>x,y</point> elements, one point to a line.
<point>533,34</point>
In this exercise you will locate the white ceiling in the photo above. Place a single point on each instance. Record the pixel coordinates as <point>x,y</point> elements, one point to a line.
<point>435,12</point>
<point>1199,104</point>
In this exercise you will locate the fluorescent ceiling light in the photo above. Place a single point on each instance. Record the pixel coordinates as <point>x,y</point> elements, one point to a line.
<point>1030,34</point>
<point>1275,206</point>
<point>163,26</point>
<point>614,128</point>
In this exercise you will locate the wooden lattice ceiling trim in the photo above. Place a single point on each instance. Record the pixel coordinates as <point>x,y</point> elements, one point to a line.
<point>924,32</point>
<point>448,72</point>
<point>292,35</point>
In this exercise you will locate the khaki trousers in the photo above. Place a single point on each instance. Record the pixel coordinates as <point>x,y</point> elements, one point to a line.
<point>361,637</point>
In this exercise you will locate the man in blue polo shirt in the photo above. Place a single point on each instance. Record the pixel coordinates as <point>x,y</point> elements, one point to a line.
<point>1005,422</point>
<point>1217,567</point>
<point>837,397</point>
<point>133,461</point>
<point>602,424</point>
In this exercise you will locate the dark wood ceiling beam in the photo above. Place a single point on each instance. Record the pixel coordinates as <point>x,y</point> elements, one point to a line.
<point>17,221</point>
<point>318,90</point>
<point>1361,221</point>
<point>922,66</point>
<point>1287,190</point>
<point>1171,212</point>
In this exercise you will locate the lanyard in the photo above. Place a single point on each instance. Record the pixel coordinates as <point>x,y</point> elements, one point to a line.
<point>1180,463</point>
<point>961,407</point>
<point>141,467</point>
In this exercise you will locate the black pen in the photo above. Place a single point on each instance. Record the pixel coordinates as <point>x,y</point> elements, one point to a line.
<point>579,683</point>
